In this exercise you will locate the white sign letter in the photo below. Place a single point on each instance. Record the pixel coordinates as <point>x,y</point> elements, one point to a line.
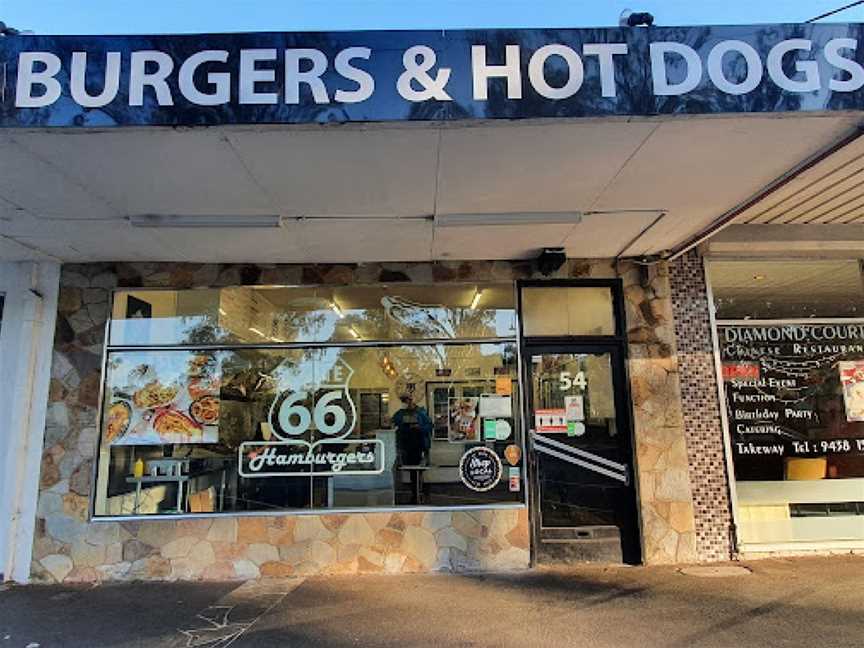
<point>810,69</point>
<point>537,76</point>
<point>693,75</point>
<point>751,58</point>
<point>220,80</point>
<point>78,80</point>
<point>312,77</point>
<point>481,72</point>
<point>605,53</point>
<point>856,72</point>
<point>249,76</point>
<point>139,77</point>
<point>364,80</point>
<point>28,77</point>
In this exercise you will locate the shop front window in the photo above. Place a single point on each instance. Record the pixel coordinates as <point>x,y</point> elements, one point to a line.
<point>277,315</point>
<point>792,355</point>
<point>193,424</point>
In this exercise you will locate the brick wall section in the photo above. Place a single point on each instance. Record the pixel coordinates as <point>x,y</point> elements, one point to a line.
<point>703,428</point>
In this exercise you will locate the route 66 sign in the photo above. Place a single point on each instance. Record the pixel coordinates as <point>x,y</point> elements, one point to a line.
<point>312,418</point>
<point>318,409</point>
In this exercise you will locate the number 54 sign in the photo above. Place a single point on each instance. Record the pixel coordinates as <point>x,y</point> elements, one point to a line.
<point>568,380</point>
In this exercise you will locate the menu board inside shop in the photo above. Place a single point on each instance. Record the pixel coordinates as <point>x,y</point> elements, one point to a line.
<point>791,391</point>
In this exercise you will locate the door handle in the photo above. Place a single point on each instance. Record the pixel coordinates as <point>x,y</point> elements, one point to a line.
<point>612,469</point>
<point>590,456</point>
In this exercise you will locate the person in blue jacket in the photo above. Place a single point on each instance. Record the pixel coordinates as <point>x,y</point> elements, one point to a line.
<point>413,431</point>
<point>413,440</point>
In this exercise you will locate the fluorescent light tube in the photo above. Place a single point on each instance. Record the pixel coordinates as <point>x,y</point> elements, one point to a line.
<point>335,308</point>
<point>475,300</point>
<point>522,218</point>
<point>205,221</point>
<point>264,335</point>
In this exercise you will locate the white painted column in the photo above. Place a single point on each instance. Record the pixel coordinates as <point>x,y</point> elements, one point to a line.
<point>26,343</point>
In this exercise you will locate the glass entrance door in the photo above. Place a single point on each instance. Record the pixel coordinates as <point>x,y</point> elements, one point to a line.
<point>582,456</point>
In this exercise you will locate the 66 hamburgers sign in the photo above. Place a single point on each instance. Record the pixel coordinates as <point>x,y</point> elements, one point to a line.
<point>310,424</point>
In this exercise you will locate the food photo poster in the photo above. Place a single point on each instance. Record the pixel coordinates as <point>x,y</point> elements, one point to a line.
<point>462,420</point>
<point>852,379</point>
<point>162,398</point>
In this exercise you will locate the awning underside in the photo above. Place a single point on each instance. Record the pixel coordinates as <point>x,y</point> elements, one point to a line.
<point>367,193</point>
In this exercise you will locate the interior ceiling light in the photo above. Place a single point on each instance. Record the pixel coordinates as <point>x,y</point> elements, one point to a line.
<point>475,300</point>
<point>758,277</point>
<point>521,218</point>
<point>336,309</point>
<point>204,221</point>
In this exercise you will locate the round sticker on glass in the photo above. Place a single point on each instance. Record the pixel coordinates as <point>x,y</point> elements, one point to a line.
<point>502,430</point>
<point>575,428</point>
<point>480,469</point>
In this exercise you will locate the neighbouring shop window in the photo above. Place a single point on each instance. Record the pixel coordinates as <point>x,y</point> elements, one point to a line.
<point>787,289</point>
<point>794,391</point>
<point>278,427</point>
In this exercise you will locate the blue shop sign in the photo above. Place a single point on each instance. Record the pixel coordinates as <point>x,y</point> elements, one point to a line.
<point>377,76</point>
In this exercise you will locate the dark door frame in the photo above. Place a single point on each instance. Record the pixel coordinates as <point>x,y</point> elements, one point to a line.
<point>616,345</point>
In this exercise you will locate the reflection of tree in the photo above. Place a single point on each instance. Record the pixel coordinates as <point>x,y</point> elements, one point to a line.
<point>706,98</point>
<point>248,389</point>
<point>251,379</point>
<point>409,320</point>
<point>300,326</point>
<point>65,111</point>
<point>473,323</point>
<point>417,364</point>
<point>631,76</point>
<point>849,100</point>
<point>202,328</point>
<point>285,326</point>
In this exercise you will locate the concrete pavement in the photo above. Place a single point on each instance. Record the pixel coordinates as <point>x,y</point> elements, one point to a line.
<point>789,602</point>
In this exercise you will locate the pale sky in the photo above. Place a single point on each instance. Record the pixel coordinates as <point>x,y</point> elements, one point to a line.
<point>201,16</point>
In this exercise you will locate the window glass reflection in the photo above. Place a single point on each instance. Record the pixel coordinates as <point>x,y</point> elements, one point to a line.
<point>274,315</point>
<point>250,429</point>
<point>581,310</point>
<point>790,289</point>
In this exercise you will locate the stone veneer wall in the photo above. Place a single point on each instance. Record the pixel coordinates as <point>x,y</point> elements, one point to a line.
<point>702,421</point>
<point>665,498</point>
<point>69,548</point>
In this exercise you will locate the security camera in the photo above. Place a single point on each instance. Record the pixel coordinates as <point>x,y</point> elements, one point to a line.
<point>635,18</point>
<point>551,260</point>
<point>6,30</point>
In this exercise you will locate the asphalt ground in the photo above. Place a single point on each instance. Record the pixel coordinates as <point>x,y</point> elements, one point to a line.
<point>816,602</point>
